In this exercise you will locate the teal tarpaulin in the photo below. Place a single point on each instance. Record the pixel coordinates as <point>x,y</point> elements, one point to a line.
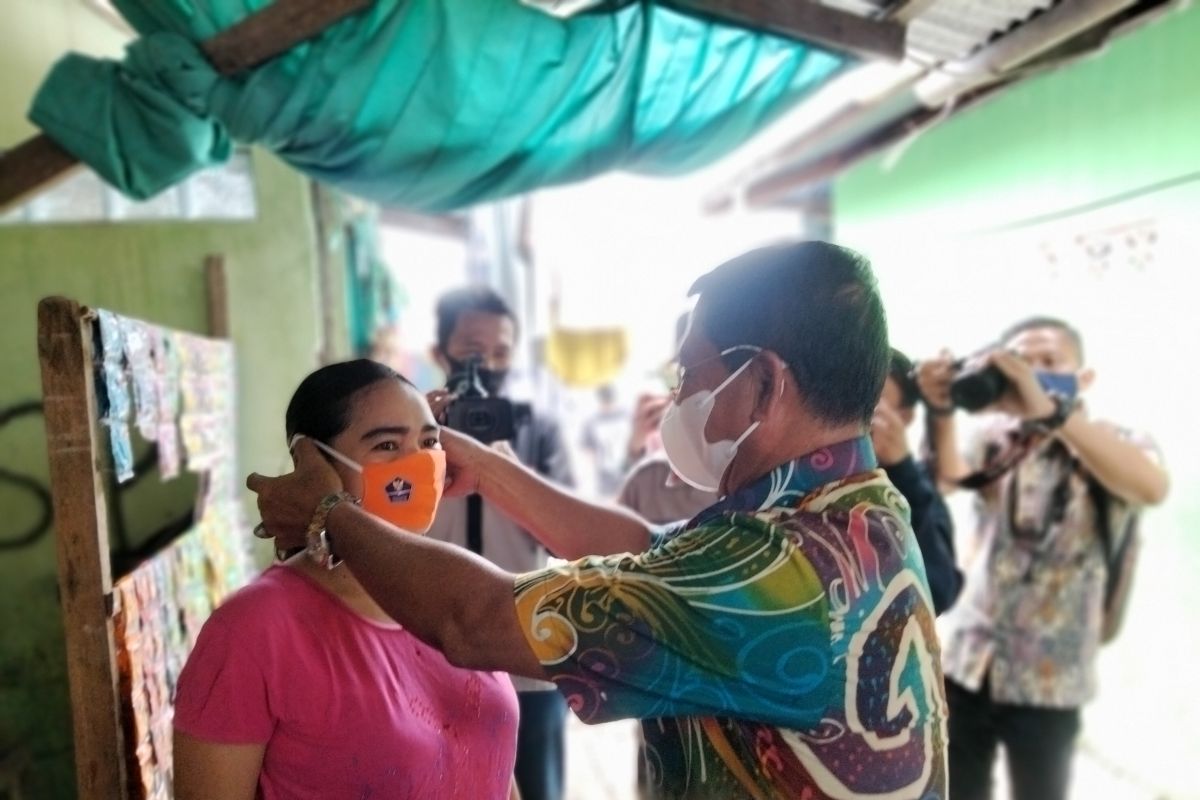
<point>429,104</point>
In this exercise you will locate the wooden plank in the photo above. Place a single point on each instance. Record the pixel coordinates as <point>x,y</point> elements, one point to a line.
<point>31,167</point>
<point>34,164</point>
<point>274,30</point>
<point>81,534</point>
<point>908,10</point>
<point>810,21</point>
<point>217,283</point>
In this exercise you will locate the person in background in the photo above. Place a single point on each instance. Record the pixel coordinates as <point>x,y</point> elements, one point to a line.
<point>604,440</point>
<point>931,520</point>
<point>651,488</point>
<point>475,322</point>
<point>1021,643</point>
<point>301,686</point>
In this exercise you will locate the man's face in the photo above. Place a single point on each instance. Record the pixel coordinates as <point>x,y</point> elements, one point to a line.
<point>1046,350</point>
<point>492,337</point>
<point>891,398</point>
<point>702,368</point>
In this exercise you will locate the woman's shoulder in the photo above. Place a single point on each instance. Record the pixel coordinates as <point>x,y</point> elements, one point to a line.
<point>269,599</point>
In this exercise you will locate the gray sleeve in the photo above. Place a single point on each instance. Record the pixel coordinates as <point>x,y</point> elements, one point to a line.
<point>553,460</point>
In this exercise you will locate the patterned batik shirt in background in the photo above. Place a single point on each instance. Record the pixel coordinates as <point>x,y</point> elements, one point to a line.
<point>781,645</point>
<point>1031,612</point>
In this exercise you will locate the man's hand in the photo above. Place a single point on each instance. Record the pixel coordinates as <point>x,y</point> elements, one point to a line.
<point>463,453</point>
<point>439,400</point>
<point>286,504</point>
<point>889,436</point>
<point>1024,397</point>
<point>934,376</point>
<point>647,417</point>
<point>463,463</point>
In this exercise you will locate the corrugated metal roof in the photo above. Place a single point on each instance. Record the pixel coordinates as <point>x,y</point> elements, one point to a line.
<point>948,30</point>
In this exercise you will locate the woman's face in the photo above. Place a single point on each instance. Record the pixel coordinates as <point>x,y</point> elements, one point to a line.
<point>388,420</point>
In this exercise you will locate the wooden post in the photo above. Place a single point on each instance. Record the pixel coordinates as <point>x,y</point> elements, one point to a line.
<point>30,166</point>
<point>218,296</point>
<point>81,532</point>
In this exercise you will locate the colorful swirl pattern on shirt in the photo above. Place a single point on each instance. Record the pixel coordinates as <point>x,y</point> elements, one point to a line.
<point>781,645</point>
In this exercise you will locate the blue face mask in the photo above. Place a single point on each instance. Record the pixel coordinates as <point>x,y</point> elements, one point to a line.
<point>1063,384</point>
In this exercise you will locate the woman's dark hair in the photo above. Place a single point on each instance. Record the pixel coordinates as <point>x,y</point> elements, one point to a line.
<point>320,406</point>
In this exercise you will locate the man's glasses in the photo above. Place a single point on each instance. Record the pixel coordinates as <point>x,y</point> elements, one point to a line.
<point>678,375</point>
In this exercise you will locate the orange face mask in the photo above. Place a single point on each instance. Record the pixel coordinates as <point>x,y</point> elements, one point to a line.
<point>404,492</point>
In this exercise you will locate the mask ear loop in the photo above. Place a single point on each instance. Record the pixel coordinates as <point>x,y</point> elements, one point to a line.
<point>713,395</point>
<point>354,465</point>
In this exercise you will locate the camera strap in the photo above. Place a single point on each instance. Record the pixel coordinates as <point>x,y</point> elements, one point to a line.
<point>1020,442</point>
<point>475,524</point>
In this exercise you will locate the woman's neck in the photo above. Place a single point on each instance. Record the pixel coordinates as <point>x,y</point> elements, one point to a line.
<point>341,583</point>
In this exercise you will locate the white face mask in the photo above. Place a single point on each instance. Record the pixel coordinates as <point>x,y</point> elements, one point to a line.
<point>696,460</point>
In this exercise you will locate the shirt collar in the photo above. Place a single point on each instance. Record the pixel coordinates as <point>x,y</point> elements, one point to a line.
<point>796,479</point>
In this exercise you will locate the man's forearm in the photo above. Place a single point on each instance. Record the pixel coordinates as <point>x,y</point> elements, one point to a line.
<point>949,463</point>
<point>567,525</point>
<point>446,596</point>
<point>1121,466</point>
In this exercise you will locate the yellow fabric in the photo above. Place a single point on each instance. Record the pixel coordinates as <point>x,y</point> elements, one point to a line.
<point>586,359</point>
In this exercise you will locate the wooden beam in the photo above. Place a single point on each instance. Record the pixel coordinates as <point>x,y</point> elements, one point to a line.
<point>218,296</point>
<point>33,165</point>
<point>907,10</point>
<point>81,536</point>
<point>452,226</point>
<point>810,22</point>
<point>274,30</point>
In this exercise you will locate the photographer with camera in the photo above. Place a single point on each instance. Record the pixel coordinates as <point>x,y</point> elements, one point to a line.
<point>930,518</point>
<point>1057,493</point>
<point>476,335</point>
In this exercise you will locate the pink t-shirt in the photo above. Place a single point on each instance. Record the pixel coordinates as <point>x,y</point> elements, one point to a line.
<point>347,707</point>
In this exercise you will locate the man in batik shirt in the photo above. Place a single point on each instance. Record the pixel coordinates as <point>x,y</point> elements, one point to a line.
<point>779,645</point>
<point>1021,643</point>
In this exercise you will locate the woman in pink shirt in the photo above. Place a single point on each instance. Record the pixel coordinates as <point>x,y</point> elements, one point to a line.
<point>300,686</point>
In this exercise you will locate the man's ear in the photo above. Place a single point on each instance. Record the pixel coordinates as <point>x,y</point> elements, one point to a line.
<point>1086,377</point>
<point>771,373</point>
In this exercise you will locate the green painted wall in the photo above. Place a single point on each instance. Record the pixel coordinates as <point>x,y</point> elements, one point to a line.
<point>1074,194</point>
<point>149,270</point>
<point>1121,121</point>
<point>34,33</point>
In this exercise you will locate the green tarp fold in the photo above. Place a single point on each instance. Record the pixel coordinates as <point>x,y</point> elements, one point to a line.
<point>429,104</point>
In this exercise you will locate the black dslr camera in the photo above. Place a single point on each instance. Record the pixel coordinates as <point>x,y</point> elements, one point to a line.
<point>473,412</point>
<point>977,388</point>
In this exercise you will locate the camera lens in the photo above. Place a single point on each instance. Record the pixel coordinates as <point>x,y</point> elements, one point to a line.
<point>972,391</point>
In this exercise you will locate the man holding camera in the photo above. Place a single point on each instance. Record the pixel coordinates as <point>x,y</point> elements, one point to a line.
<point>930,518</point>
<point>1020,645</point>
<point>476,336</point>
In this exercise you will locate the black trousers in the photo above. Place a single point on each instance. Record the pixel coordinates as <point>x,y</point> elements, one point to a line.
<point>1039,744</point>
<point>541,746</point>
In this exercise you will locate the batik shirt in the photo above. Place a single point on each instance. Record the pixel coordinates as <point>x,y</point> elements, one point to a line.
<point>780,645</point>
<point>1032,607</point>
